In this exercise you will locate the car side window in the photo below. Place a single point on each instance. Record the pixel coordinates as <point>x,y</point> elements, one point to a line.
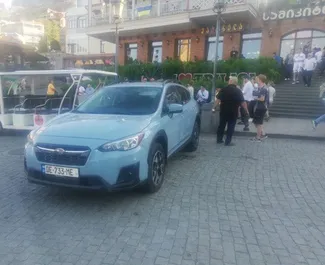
<point>173,96</point>
<point>185,95</point>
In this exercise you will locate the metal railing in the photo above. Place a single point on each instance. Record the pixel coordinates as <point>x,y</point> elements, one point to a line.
<point>161,8</point>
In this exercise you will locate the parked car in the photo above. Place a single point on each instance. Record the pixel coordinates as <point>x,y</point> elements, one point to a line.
<point>120,138</point>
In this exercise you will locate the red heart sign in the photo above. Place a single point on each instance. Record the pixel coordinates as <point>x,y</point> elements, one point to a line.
<point>39,120</point>
<point>183,76</point>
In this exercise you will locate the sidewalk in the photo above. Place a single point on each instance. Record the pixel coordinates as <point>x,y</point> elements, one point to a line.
<point>287,128</point>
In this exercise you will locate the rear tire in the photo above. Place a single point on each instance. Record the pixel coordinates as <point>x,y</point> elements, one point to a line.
<point>193,145</point>
<point>156,168</point>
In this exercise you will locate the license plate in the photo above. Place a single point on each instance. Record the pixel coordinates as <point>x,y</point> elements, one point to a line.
<point>60,171</point>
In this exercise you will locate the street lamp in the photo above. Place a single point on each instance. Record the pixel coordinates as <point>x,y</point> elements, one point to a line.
<point>218,7</point>
<point>117,21</point>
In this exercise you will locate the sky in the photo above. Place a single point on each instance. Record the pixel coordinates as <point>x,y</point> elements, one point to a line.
<point>6,2</point>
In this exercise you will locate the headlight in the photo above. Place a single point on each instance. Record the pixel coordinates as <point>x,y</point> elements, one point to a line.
<point>123,145</point>
<point>31,136</point>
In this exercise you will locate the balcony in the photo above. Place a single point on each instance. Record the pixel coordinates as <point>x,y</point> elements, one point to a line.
<point>162,15</point>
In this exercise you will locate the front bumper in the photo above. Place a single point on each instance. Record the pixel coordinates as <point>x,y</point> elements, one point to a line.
<point>109,171</point>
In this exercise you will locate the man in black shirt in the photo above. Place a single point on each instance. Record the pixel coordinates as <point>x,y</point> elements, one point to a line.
<point>230,99</point>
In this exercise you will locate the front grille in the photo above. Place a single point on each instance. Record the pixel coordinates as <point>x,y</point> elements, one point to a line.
<point>69,155</point>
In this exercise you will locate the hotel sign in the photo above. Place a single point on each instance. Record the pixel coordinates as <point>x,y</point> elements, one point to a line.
<point>294,13</point>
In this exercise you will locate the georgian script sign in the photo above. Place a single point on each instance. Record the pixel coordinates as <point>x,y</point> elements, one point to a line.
<point>235,27</point>
<point>295,13</point>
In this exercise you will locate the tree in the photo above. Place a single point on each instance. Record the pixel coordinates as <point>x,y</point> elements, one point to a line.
<point>43,45</point>
<point>55,45</point>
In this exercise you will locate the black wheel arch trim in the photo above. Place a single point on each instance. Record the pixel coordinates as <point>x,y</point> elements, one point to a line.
<point>160,134</point>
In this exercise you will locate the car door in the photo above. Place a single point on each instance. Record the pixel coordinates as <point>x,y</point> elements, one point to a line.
<point>171,123</point>
<point>187,122</point>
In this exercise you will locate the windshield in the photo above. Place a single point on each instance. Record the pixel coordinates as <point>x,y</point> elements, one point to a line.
<point>121,100</point>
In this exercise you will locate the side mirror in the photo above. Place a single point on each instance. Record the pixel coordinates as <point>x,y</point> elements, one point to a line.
<point>175,108</point>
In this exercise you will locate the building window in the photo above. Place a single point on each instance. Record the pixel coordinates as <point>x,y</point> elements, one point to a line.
<point>156,52</point>
<point>211,48</point>
<point>251,45</point>
<point>102,47</point>
<point>72,23</point>
<point>131,52</point>
<point>184,50</point>
<point>82,23</point>
<point>307,40</point>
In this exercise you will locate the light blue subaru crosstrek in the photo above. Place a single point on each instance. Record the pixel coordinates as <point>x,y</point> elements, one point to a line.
<point>119,138</point>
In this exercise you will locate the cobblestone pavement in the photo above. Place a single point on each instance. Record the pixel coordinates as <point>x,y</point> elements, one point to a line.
<point>261,203</point>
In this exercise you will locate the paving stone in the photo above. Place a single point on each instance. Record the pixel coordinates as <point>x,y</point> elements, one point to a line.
<point>254,203</point>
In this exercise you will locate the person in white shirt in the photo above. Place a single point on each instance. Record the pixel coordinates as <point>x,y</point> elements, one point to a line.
<point>248,96</point>
<point>318,56</point>
<point>190,88</point>
<point>298,63</point>
<point>81,91</point>
<point>309,67</point>
<point>202,96</point>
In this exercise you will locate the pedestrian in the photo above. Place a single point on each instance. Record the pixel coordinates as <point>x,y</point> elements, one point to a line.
<point>260,108</point>
<point>89,90</point>
<point>309,67</point>
<point>320,119</point>
<point>215,104</point>
<point>190,88</point>
<point>288,63</point>
<point>229,98</point>
<point>298,63</point>
<point>271,95</point>
<point>51,90</point>
<point>202,96</point>
<point>318,56</point>
<point>277,58</point>
<point>248,96</point>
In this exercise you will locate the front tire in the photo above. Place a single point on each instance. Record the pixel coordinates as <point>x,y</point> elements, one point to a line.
<point>156,168</point>
<point>193,145</point>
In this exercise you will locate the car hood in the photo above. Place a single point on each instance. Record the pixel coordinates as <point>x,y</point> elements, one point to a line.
<point>94,126</point>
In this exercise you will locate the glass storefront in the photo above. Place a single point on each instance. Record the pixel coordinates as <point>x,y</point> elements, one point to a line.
<point>211,46</point>
<point>184,50</point>
<point>306,40</point>
<point>251,45</point>
<point>156,52</point>
<point>132,51</point>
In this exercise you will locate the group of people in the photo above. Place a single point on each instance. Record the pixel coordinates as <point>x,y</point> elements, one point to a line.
<point>253,101</point>
<point>51,90</point>
<point>302,65</point>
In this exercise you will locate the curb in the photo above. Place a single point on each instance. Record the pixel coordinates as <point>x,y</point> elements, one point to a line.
<point>277,136</point>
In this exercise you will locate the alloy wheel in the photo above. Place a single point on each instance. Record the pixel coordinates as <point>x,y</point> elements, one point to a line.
<point>158,168</point>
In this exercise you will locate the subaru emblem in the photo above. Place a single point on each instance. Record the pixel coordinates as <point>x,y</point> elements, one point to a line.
<point>60,151</point>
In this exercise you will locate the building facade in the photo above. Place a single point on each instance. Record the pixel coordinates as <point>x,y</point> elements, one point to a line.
<point>79,43</point>
<point>30,31</point>
<point>153,30</point>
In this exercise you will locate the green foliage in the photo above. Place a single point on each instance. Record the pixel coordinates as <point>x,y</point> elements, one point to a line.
<point>55,45</point>
<point>43,46</point>
<point>169,69</point>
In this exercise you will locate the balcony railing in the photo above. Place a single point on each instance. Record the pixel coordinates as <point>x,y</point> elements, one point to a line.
<point>105,14</point>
